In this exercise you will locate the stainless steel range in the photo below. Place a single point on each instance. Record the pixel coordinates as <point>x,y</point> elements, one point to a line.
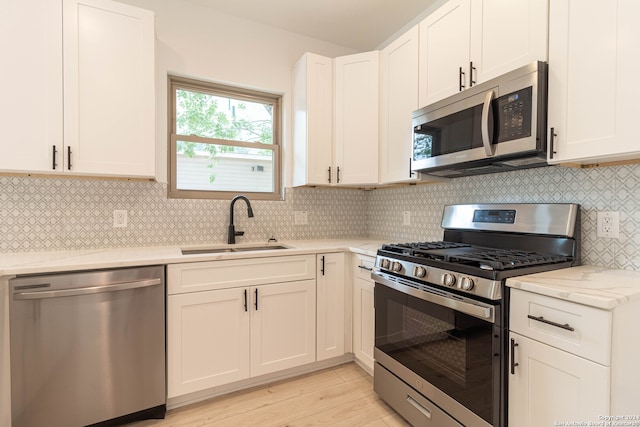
<point>442,309</point>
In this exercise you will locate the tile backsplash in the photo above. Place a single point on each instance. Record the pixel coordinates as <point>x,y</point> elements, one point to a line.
<point>47,214</point>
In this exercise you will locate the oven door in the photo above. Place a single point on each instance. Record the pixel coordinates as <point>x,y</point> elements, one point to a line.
<point>446,347</point>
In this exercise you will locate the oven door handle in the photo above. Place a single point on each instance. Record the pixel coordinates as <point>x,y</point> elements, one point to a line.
<point>476,310</point>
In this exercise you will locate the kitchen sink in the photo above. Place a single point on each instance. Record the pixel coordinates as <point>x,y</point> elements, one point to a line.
<point>234,249</point>
<point>258,248</point>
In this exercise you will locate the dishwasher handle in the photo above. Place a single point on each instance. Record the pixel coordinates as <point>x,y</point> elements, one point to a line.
<point>86,290</point>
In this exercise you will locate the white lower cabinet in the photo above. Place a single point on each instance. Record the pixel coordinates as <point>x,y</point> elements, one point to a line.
<point>233,328</point>
<point>363,310</point>
<point>331,305</point>
<point>208,337</point>
<point>283,326</point>
<point>561,362</point>
<point>551,386</point>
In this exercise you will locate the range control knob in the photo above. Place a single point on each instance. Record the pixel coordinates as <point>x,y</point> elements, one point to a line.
<point>385,263</point>
<point>466,283</point>
<point>396,266</point>
<point>419,272</point>
<point>448,279</point>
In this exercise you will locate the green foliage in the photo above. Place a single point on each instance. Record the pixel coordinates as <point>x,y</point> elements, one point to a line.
<point>198,114</point>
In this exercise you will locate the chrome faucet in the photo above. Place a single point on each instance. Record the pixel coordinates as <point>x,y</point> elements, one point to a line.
<point>232,229</point>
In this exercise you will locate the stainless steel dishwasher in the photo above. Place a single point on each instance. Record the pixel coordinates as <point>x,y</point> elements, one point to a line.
<point>88,347</point>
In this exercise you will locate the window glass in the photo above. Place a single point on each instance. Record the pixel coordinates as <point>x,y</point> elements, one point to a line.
<point>223,141</point>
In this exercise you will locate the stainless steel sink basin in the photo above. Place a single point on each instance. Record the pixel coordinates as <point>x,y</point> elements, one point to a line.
<point>234,249</point>
<point>205,251</point>
<point>258,248</point>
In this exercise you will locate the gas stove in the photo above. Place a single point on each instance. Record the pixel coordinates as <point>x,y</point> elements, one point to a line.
<point>485,244</point>
<point>442,309</point>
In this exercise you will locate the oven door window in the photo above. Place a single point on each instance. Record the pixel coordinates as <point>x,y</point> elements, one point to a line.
<point>449,349</point>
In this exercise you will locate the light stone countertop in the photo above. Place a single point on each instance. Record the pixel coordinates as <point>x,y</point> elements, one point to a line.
<point>590,285</point>
<point>12,264</point>
<point>594,286</point>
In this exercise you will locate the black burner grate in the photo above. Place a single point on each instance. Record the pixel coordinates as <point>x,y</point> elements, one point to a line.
<point>475,256</point>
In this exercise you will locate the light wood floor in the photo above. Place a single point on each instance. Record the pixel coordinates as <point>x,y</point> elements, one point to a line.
<point>339,396</point>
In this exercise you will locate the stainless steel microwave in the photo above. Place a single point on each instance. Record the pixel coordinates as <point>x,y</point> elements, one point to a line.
<point>495,126</point>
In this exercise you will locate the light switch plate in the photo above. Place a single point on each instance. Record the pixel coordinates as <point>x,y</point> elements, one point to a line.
<point>406,218</point>
<point>300,218</point>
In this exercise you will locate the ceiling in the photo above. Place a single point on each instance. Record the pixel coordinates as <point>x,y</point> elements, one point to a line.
<point>358,24</point>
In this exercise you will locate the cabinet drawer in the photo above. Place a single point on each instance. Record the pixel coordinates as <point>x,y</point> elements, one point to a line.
<point>362,266</point>
<point>579,329</point>
<point>210,275</point>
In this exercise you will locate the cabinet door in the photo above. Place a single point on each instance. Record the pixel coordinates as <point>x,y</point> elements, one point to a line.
<point>31,102</point>
<point>551,386</point>
<point>592,80</point>
<point>363,316</point>
<point>506,35</point>
<point>312,120</point>
<point>283,326</point>
<point>356,118</point>
<point>109,90</point>
<point>207,340</point>
<point>398,100</point>
<point>330,305</point>
<point>444,48</point>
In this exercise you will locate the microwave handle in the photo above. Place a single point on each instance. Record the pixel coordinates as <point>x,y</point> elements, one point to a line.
<point>486,138</point>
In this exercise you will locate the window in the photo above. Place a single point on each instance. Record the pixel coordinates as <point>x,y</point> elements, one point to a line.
<point>223,141</point>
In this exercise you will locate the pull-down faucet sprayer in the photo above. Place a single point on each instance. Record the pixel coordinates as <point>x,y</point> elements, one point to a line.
<point>232,230</point>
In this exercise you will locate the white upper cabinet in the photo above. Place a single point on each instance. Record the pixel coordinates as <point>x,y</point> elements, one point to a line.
<point>398,100</point>
<point>593,58</point>
<point>109,89</point>
<point>356,118</point>
<point>102,53</point>
<point>31,105</point>
<point>312,120</point>
<point>335,120</point>
<point>467,42</point>
<point>444,51</point>
<point>506,35</point>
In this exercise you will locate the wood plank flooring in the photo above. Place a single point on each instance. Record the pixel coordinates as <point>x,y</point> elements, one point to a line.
<point>339,396</point>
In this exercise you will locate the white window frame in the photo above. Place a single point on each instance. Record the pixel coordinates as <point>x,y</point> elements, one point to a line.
<point>176,83</point>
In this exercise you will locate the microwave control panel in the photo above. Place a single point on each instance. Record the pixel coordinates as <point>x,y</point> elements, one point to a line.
<point>514,115</point>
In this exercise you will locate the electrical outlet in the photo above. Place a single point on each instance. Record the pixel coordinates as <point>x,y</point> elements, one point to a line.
<point>300,217</point>
<point>120,218</point>
<point>609,225</point>
<point>406,218</point>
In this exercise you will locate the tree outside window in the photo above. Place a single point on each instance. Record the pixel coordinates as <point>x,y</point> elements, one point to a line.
<point>223,141</point>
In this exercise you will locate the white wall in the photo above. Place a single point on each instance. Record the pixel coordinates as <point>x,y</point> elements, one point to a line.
<point>196,41</point>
